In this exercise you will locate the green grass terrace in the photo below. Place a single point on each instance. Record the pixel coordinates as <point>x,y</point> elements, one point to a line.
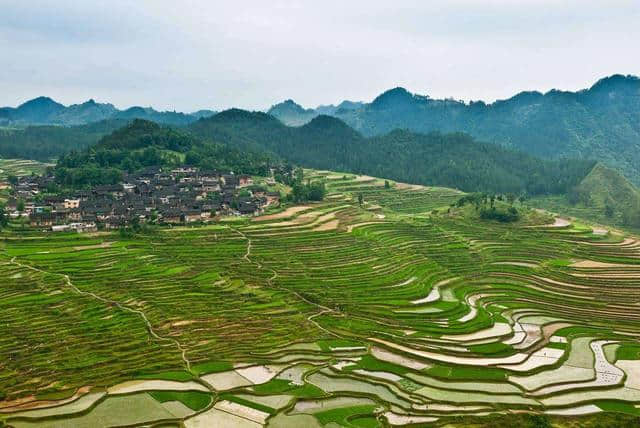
<point>397,311</point>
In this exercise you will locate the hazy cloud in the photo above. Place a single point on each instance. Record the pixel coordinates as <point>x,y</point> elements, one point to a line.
<point>215,54</point>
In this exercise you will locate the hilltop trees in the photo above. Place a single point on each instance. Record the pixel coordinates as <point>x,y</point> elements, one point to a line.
<point>485,205</point>
<point>309,191</point>
<point>142,144</point>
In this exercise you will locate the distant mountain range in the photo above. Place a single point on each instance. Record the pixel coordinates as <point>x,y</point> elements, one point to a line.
<point>293,114</point>
<point>45,111</point>
<point>601,123</point>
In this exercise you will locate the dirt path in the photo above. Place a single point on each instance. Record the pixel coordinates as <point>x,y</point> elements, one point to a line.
<point>141,314</point>
<point>310,318</point>
<point>353,226</point>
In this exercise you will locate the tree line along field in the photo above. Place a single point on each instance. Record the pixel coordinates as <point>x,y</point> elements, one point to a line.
<point>381,306</point>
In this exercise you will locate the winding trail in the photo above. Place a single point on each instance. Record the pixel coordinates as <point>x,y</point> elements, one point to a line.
<point>141,314</point>
<point>310,318</point>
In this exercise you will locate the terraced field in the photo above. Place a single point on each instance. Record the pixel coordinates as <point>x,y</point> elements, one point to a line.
<point>20,167</point>
<point>392,312</point>
<point>17,167</point>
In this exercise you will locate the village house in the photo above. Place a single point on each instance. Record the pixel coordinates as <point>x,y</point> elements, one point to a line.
<point>273,198</point>
<point>182,195</point>
<point>70,204</point>
<point>244,181</point>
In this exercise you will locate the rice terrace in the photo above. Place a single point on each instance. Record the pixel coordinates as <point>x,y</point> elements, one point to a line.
<point>394,310</point>
<point>320,214</point>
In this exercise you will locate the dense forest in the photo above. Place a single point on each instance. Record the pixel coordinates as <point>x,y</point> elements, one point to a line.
<point>45,142</point>
<point>453,160</point>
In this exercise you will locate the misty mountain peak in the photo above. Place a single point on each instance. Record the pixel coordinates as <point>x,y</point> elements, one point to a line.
<point>287,106</point>
<point>395,97</point>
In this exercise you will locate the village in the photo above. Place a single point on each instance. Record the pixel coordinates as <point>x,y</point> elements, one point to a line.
<point>154,195</point>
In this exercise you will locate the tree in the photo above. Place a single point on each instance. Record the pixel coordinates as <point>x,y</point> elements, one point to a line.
<point>386,184</point>
<point>20,208</point>
<point>631,217</point>
<point>360,199</point>
<point>135,224</point>
<point>3,217</point>
<point>310,191</point>
<point>13,180</point>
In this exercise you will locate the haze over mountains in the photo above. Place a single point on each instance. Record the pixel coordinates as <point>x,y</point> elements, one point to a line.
<point>45,111</point>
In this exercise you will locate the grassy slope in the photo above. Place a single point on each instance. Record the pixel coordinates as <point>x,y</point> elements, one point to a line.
<point>602,184</point>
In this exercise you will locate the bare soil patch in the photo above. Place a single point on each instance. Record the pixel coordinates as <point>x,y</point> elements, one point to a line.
<point>594,264</point>
<point>289,212</point>
<point>330,225</point>
<point>407,186</point>
<point>93,247</point>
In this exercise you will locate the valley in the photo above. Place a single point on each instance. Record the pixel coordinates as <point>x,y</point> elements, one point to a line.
<point>384,304</point>
<point>298,214</point>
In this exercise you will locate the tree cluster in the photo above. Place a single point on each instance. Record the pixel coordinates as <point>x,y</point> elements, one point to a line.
<point>485,205</point>
<point>309,191</point>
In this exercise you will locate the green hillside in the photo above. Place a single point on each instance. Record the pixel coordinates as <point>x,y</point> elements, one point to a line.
<point>49,141</point>
<point>605,187</point>
<point>604,195</point>
<point>143,144</point>
<point>453,160</point>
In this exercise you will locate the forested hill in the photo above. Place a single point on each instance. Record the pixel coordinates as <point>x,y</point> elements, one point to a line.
<point>602,122</point>
<point>142,144</point>
<point>453,160</point>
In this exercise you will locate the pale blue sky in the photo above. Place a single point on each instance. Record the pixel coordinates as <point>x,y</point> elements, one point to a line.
<point>193,54</point>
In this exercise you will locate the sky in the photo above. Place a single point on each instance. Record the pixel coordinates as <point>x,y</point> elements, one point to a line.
<point>195,54</point>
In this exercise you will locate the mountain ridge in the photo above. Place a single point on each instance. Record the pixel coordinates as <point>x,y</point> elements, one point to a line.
<point>452,160</point>
<point>43,110</point>
<point>600,122</point>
